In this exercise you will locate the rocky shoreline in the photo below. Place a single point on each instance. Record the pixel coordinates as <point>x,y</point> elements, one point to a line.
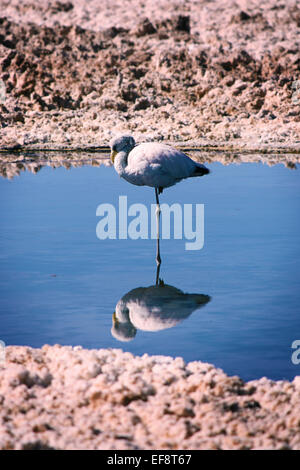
<point>63,397</point>
<point>76,72</point>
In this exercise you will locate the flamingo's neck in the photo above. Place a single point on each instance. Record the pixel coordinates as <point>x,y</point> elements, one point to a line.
<point>120,162</point>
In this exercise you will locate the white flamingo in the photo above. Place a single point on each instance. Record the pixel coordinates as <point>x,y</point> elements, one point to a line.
<point>152,164</point>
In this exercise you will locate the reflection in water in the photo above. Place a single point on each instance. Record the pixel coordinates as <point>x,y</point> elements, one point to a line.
<point>153,308</point>
<point>12,164</point>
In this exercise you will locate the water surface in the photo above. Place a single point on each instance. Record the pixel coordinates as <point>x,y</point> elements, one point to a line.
<point>60,284</point>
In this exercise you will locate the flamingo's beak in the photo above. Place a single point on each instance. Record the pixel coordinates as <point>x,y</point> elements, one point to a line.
<point>113,155</point>
<point>114,319</point>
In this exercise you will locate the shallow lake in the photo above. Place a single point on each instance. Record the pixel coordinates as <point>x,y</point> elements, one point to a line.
<point>59,283</point>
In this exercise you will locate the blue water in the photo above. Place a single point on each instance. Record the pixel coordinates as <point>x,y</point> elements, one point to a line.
<point>60,284</point>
